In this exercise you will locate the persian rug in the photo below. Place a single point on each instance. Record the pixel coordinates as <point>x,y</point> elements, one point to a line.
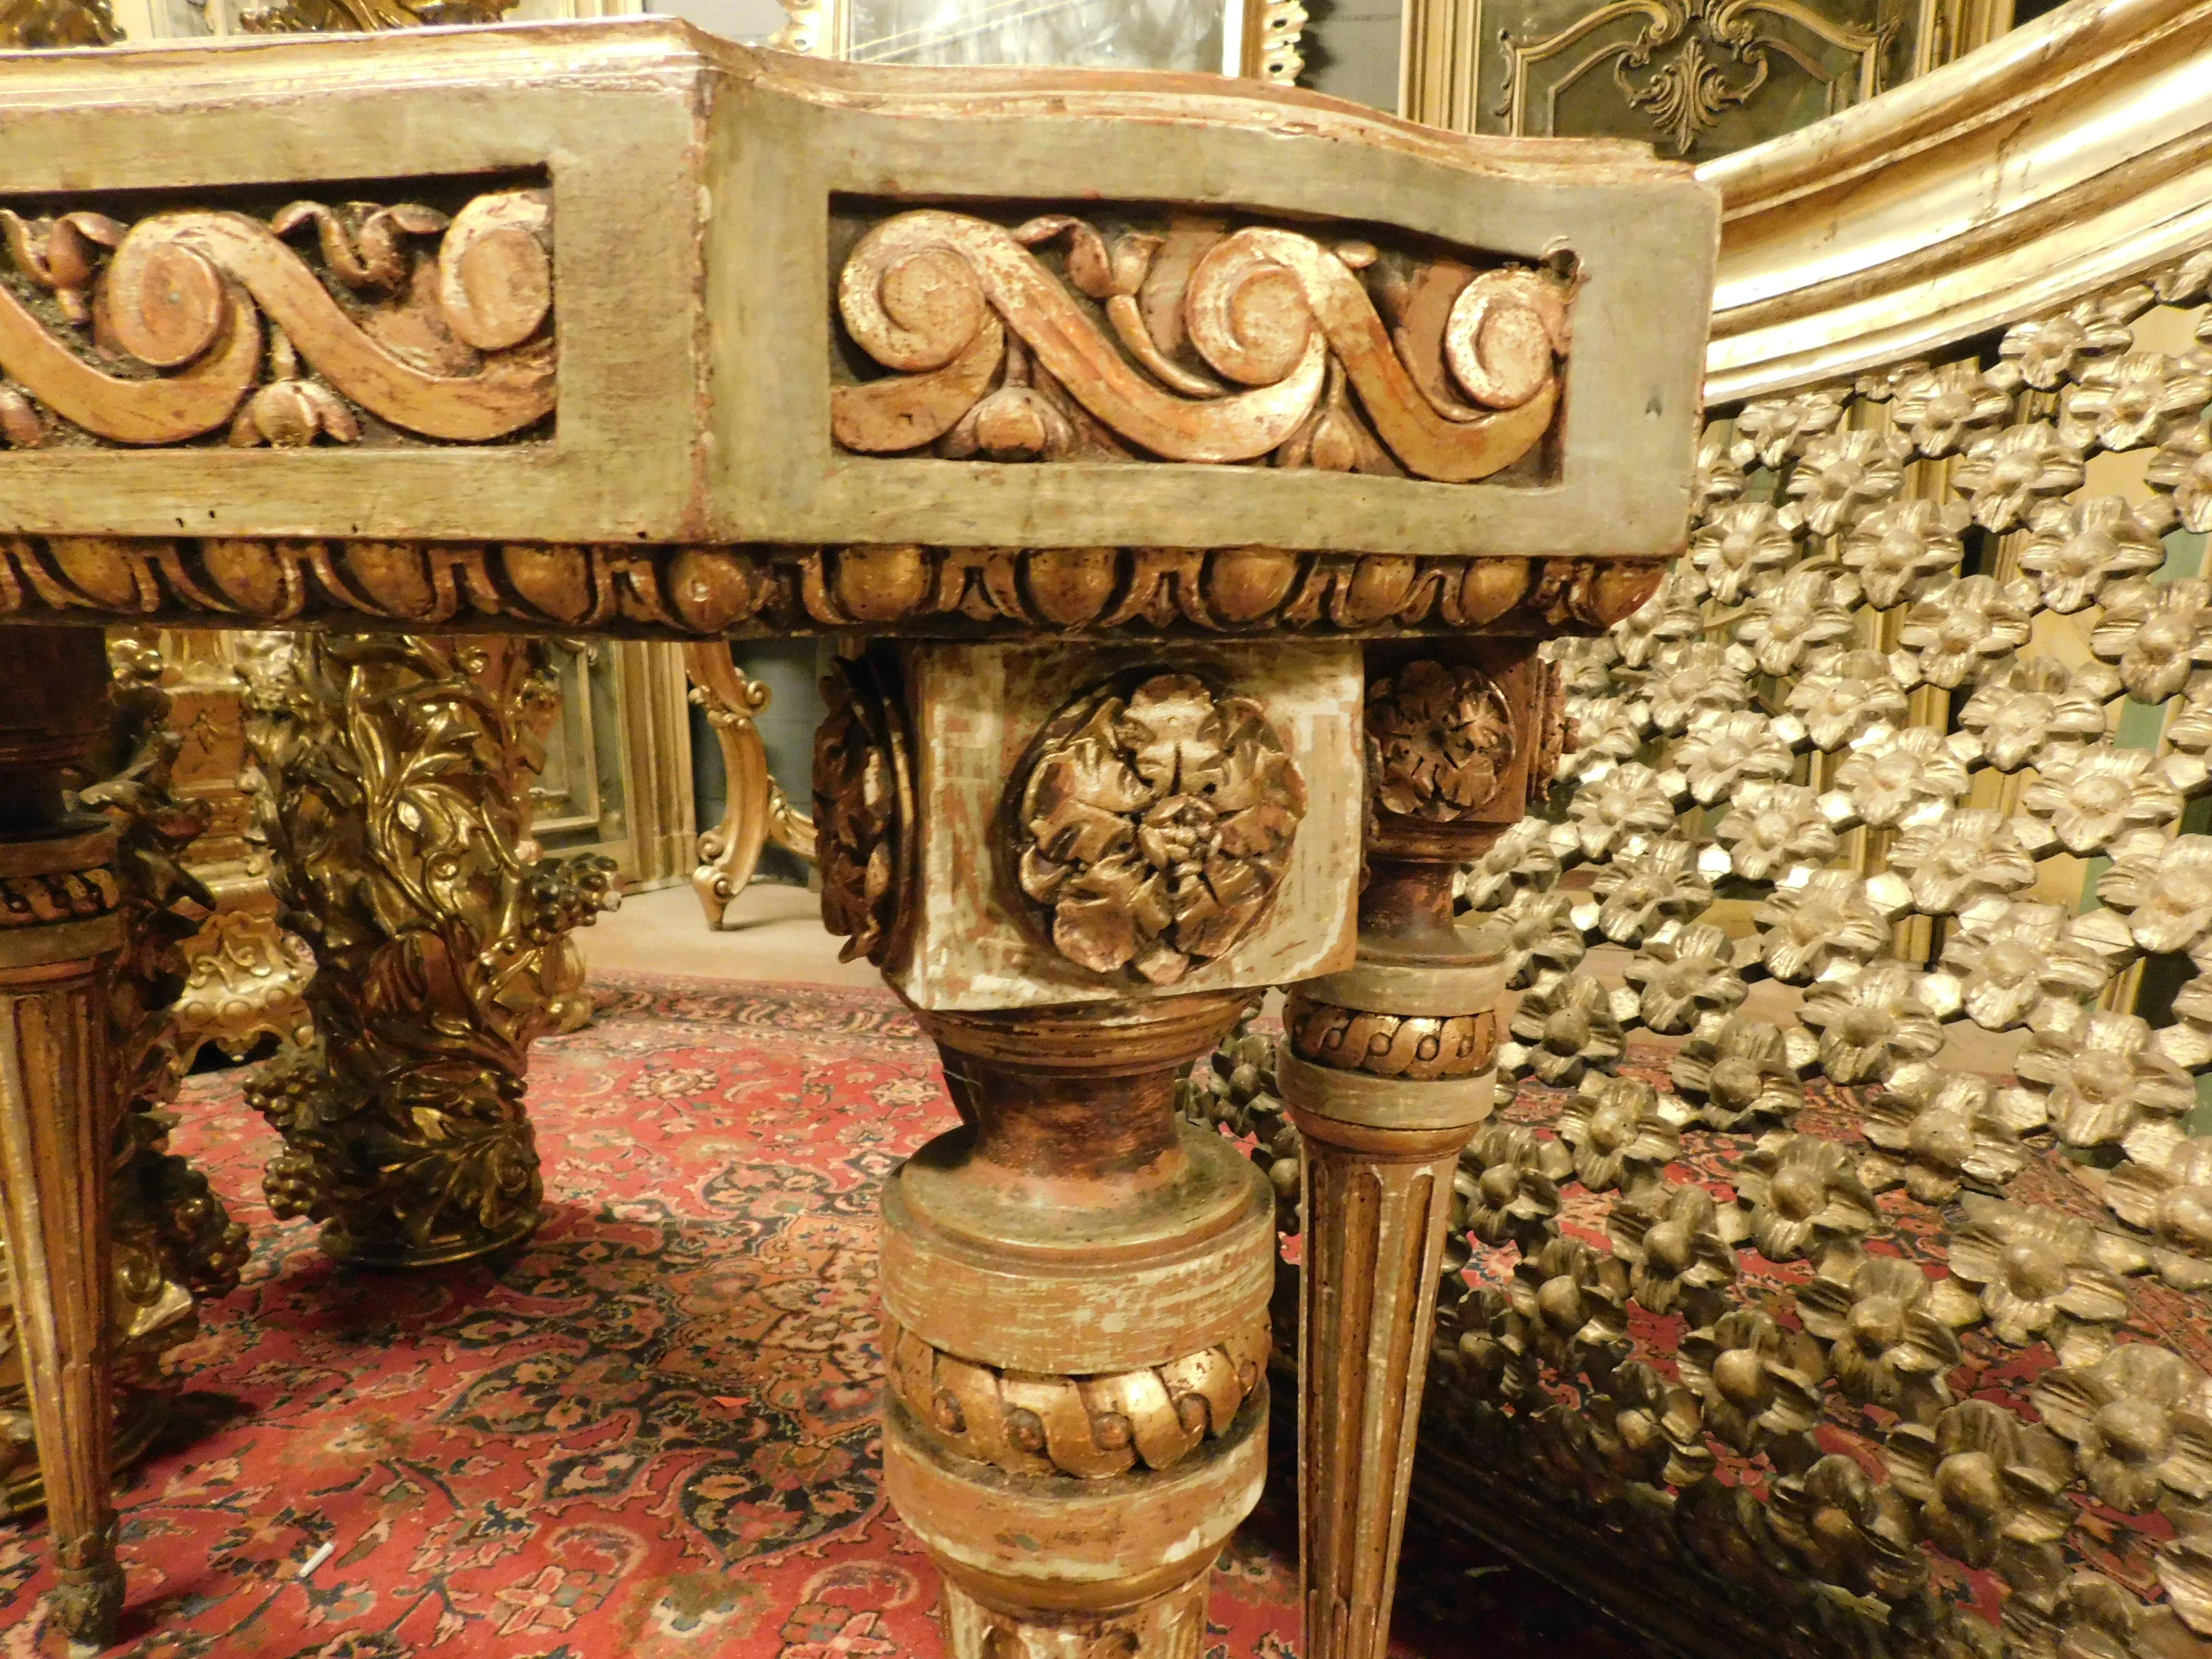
<point>650,1432</point>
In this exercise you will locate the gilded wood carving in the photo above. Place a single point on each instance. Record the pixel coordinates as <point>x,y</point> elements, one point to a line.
<point>187,321</point>
<point>1350,358</point>
<point>395,803</point>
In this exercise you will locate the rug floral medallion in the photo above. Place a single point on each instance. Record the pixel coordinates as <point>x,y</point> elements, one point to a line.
<point>649,1432</point>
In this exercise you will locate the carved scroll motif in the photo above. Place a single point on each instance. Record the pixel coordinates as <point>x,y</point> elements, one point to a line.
<point>188,321</point>
<point>1199,344</point>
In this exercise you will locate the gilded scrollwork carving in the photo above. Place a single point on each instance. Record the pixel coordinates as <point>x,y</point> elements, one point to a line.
<point>395,806</point>
<point>425,324</point>
<point>1440,740</point>
<point>1149,824</point>
<point>1193,342</point>
<point>1391,1045</point>
<point>1092,1427</point>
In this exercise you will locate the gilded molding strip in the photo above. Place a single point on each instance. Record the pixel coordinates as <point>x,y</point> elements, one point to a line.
<point>704,593</point>
<point>440,326</point>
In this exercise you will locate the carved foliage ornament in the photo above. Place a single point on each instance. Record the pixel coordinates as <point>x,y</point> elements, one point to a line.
<point>1151,823</point>
<point>1195,342</point>
<point>353,323</point>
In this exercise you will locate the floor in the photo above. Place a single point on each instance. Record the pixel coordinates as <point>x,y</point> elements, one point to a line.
<point>769,932</point>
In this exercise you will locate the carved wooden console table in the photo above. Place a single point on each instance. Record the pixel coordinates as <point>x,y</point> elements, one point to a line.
<point>1170,453</point>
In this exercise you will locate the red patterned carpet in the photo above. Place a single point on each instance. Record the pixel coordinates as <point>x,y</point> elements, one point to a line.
<point>649,1433</point>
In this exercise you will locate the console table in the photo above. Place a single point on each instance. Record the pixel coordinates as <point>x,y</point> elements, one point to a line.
<point>1189,471</point>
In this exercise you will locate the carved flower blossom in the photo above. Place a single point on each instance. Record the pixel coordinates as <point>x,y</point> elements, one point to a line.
<point>291,411</point>
<point>2182,466</point>
<point>1964,858</point>
<point>2012,964</point>
<point>2125,401</point>
<point>1981,1477</point>
<point>1157,825</point>
<point>1645,1413</point>
<point>1577,1300</point>
<point>1752,1377</point>
<point>2185,1569</point>
<point>1871,1023</point>
<point>1890,1329</point>
<point>1933,1130</point>
<point>1901,550</point>
<point>1822,928</point>
<point>2165,887</point>
<point>1898,778</point>
<point>1625,809</point>
<point>2164,1189</point>
<point>1684,977</point>
<point>1742,549</point>
<point>1438,741</point>
<point>1843,474</point>
<point>1516,1185</point>
<point>2035,1269</point>
<point>2036,708</point>
<point>1607,731</point>
<point>2157,634</point>
<point>1585,666</point>
<point>1846,1530</point>
<point>1771,430</point>
<point>1635,894</point>
<point>1620,1131</point>
<point>2005,473</point>
<point>1944,408</point>
<point>1717,479</point>
<point>1740,1068</point>
<point>2102,1076</point>
<point>1956,635</point>
<point>2090,799</point>
<point>1801,1193</point>
<point>2046,350</point>
<point>1797,615</point>
<point>2081,547</point>
<point>2140,1422</point>
<point>2055,1614</point>
<point>1541,938</point>
<point>1723,752</point>
<point>1520,858</point>
<point>1772,828</point>
<point>1563,1029</point>
<point>1668,617</point>
<point>1700,678</point>
<point>1844,693</point>
<point>1670,1236</point>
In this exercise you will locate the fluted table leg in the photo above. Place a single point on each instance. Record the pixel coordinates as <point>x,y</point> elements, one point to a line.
<point>60,931</point>
<point>1387,1069</point>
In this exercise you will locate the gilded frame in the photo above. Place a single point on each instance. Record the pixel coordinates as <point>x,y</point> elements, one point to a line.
<point>1264,35</point>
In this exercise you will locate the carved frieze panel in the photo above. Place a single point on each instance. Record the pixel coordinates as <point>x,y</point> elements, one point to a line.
<point>1128,335</point>
<point>174,320</point>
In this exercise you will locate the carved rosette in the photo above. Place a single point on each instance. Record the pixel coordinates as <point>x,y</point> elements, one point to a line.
<point>173,1240</point>
<point>399,319</point>
<point>1051,340</point>
<point>396,806</point>
<point>1440,738</point>
<point>1150,824</point>
<point>1091,1428</point>
<point>866,825</point>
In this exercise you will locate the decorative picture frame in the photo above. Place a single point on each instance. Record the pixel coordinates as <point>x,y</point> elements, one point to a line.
<point>1258,39</point>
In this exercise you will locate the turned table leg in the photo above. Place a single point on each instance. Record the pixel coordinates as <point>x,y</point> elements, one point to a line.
<point>60,931</point>
<point>1387,1069</point>
<point>1077,1287</point>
